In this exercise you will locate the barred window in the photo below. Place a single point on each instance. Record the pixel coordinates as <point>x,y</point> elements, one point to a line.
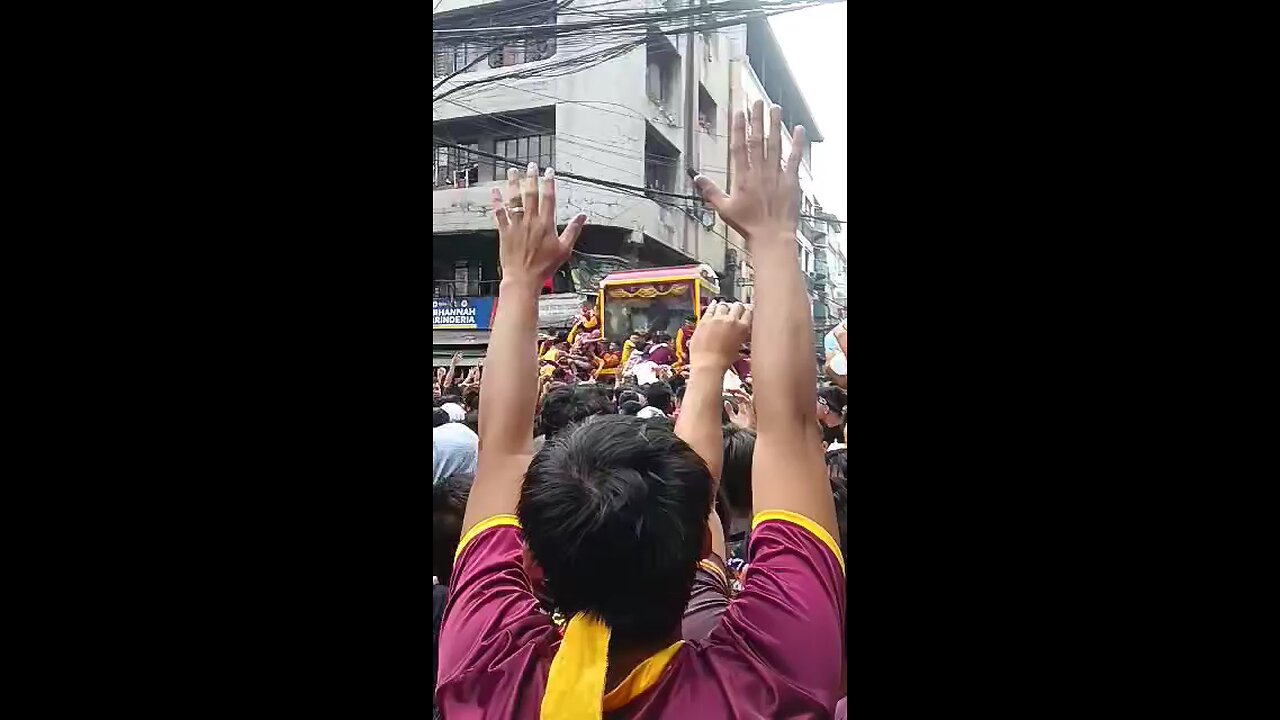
<point>453,57</point>
<point>524,150</point>
<point>456,167</point>
<point>523,51</point>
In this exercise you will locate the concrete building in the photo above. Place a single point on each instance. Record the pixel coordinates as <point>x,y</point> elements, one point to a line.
<point>642,119</point>
<point>760,72</point>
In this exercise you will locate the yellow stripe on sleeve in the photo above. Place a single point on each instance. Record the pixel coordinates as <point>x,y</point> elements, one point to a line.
<point>801,521</point>
<point>487,523</point>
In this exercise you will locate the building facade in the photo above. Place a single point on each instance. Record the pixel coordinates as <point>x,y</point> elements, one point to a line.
<point>646,120</point>
<point>761,73</point>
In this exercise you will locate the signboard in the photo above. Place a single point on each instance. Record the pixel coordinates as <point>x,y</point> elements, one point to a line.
<point>560,309</point>
<point>474,313</point>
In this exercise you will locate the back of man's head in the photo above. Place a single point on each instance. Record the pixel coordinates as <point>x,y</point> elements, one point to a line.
<point>448,503</point>
<point>438,417</point>
<point>735,476</point>
<point>566,405</point>
<point>833,396</point>
<point>659,395</point>
<point>614,511</point>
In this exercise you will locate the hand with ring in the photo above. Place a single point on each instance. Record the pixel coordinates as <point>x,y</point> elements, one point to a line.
<point>528,247</point>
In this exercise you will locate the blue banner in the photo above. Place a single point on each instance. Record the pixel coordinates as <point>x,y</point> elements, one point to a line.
<point>462,313</point>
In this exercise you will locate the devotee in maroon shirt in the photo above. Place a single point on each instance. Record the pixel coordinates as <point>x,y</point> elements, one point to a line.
<point>775,652</point>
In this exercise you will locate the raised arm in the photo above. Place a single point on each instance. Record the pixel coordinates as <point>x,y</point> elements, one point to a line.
<point>529,252</point>
<point>453,368</point>
<point>721,332</point>
<point>788,471</point>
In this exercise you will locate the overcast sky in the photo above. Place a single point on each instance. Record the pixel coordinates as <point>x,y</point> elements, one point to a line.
<point>815,42</point>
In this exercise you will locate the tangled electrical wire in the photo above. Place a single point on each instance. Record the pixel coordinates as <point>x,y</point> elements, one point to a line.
<point>565,44</point>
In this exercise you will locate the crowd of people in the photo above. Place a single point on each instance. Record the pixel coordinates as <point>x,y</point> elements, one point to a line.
<point>665,540</point>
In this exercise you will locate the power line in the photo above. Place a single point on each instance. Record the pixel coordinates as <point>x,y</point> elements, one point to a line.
<point>581,141</point>
<point>643,29</point>
<point>597,181</point>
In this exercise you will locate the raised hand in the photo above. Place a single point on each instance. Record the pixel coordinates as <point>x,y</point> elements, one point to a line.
<point>764,202</point>
<point>721,332</point>
<point>745,414</point>
<point>528,247</point>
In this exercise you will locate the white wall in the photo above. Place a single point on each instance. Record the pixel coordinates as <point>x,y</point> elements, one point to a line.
<point>600,133</point>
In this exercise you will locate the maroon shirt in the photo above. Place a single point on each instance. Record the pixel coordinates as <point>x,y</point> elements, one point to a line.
<point>662,355</point>
<point>708,600</point>
<point>775,652</point>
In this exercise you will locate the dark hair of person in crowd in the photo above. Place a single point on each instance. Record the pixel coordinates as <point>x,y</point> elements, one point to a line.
<point>438,417</point>
<point>834,397</point>
<point>612,488</point>
<point>448,503</point>
<point>629,395</point>
<point>472,420</point>
<point>658,394</point>
<point>450,399</point>
<point>471,397</point>
<point>564,406</point>
<point>630,407</point>
<point>735,474</point>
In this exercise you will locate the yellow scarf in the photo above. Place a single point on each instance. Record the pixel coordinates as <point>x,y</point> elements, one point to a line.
<point>575,684</point>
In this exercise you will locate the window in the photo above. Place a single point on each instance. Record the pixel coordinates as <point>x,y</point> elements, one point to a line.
<point>453,57</point>
<point>460,278</point>
<point>707,110</point>
<point>661,163</point>
<point>523,51</point>
<point>663,65</point>
<point>456,167</point>
<point>524,150</point>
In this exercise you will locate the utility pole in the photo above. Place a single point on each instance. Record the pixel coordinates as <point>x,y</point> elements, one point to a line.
<point>690,122</point>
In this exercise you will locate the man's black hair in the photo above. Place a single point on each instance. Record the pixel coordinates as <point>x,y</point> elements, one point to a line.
<point>566,405</point>
<point>834,396</point>
<point>472,420</point>
<point>450,399</point>
<point>630,407</point>
<point>438,417</point>
<point>471,397</point>
<point>614,511</point>
<point>658,394</point>
<point>448,503</point>
<point>628,395</point>
<point>735,475</point>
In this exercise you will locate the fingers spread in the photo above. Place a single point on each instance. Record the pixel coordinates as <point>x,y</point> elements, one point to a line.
<point>736,310</point>
<point>499,210</point>
<point>746,314</point>
<point>738,142</point>
<point>797,151</point>
<point>775,138</point>
<point>571,232</point>
<point>529,190</point>
<point>755,138</point>
<point>709,191</point>
<point>548,200</point>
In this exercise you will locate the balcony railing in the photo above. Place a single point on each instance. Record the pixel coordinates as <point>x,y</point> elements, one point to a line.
<point>464,288</point>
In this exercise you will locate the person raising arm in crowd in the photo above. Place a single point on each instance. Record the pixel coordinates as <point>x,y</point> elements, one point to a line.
<point>613,513</point>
